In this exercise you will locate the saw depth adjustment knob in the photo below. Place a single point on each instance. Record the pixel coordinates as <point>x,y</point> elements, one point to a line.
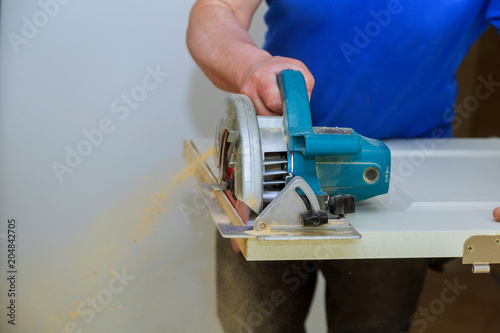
<point>313,218</point>
<point>342,204</point>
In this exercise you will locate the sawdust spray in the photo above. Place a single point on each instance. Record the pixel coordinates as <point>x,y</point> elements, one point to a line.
<point>91,273</point>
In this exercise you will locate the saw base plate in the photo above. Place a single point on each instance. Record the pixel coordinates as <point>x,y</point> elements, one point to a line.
<point>235,228</point>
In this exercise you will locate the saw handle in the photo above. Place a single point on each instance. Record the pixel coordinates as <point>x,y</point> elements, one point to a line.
<point>303,143</point>
<point>298,123</point>
<point>295,101</point>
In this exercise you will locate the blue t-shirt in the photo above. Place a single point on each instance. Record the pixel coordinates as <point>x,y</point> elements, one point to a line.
<point>384,68</point>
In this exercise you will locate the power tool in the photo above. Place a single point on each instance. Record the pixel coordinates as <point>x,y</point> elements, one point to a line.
<point>288,179</point>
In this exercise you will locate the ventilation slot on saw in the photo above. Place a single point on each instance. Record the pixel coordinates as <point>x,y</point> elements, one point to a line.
<point>274,172</point>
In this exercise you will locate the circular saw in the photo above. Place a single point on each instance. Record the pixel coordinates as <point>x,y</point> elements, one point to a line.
<point>288,179</point>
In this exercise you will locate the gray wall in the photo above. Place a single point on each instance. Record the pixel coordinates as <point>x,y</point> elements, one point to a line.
<point>66,70</point>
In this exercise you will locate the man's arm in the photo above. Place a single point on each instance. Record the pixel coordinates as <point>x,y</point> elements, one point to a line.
<point>219,42</point>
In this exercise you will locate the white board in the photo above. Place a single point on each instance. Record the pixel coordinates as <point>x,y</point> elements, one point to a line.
<point>442,192</point>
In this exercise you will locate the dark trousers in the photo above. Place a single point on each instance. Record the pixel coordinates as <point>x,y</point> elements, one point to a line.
<point>366,295</point>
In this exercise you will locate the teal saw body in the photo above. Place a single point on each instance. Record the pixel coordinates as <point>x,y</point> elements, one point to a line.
<point>331,160</point>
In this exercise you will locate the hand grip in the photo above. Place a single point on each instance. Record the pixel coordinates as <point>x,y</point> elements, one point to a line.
<point>295,101</point>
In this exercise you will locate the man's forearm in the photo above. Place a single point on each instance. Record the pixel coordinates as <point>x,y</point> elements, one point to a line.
<point>219,42</point>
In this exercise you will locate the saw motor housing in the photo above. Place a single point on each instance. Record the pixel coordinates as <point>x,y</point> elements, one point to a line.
<point>337,165</point>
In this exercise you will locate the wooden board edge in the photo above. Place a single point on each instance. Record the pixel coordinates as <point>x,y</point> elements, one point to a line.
<point>204,174</point>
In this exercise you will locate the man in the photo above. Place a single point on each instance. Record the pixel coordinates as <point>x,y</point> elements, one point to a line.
<point>384,68</point>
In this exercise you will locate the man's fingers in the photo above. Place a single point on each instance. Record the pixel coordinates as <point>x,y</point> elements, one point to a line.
<point>270,95</point>
<point>309,82</point>
<point>496,214</point>
<point>262,88</point>
<point>260,108</point>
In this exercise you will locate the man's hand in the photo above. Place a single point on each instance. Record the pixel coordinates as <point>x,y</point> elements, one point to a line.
<point>261,86</point>
<point>496,214</point>
<point>218,40</point>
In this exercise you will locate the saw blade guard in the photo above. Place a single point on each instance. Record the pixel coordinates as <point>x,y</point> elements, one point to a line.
<point>237,143</point>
